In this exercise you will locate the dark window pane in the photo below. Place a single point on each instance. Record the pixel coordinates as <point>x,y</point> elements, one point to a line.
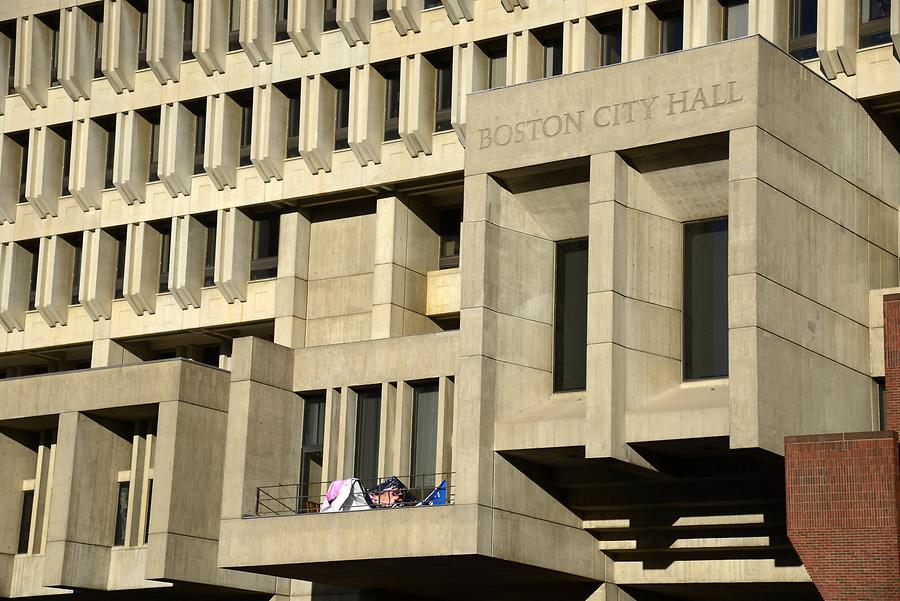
<point>670,33</point>
<point>32,285</point>
<point>341,115</point>
<point>246,133</point>
<point>199,142</point>
<point>735,19</point>
<point>570,333</point>
<point>76,275</point>
<point>281,19</point>
<point>392,105</point>
<point>424,436</point>
<point>330,20</point>
<point>209,262</point>
<point>874,22</point>
<point>120,267</point>
<point>802,42</point>
<point>611,46</point>
<point>54,57</point>
<point>25,521</point>
<point>443,97</point>
<point>432,4</point>
<point>312,487</point>
<point>314,422</point>
<point>379,10</point>
<point>142,40</point>
<point>188,32</point>
<point>264,257</point>
<point>147,517</point>
<point>153,174</point>
<point>121,514</point>
<point>234,25</point>
<point>368,431</point>
<point>164,262</point>
<point>706,299</point>
<point>449,237</point>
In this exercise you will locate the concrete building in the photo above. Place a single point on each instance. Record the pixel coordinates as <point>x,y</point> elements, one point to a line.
<point>588,262</point>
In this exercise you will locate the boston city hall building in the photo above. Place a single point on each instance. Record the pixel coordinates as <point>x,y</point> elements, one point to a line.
<point>358,300</point>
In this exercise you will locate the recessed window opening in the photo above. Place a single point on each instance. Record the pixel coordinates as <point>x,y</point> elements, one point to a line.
<point>209,261</point>
<point>735,18</point>
<point>432,4</point>
<point>312,453</point>
<point>64,131</point>
<point>495,51</point>
<point>198,109</point>
<point>291,90</point>
<point>802,39</point>
<point>75,241</point>
<point>51,20</point>
<point>671,25</point>
<point>379,10</point>
<point>8,29</point>
<point>25,522</point>
<point>120,236</point>
<point>95,12</point>
<point>443,96</point>
<point>449,237</point>
<point>341,83</point>
<point>108,123</point>
<point>22,138</point>
<point>609,26</point>
<point>264,257</point>
<point>281,20</point>
<point>391,73</point>
<point>143,32</point>
<point>122,494</point>
<point>423,456</point>
<point>234,25</point>
<point>367,436</point>
<point>33,247</point>
<point>706,299</point>
<point>551,38</point>
<point>164,228</point>
<point>244,99</point>
<point>330,16</point>
<point>147,511</point>
<point>187,49</point>
<point>874,22</point>
<point>152,117</point>
<point>570,328</point>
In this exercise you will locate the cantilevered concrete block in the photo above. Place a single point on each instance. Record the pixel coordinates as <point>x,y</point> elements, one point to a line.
<point>702,22</point>
<point>417,88</point>
<point>354,18</point>
<point>210,35</point>
<point>176,148</point>
<point>77,37</point>
<point>526,58</point>
<point>837,36</point>
<point>187,260</point>
<point>581,46</point>
<point>258,30</point>
<point>222,144</point>
<point>366,134</point>
<point>11,161</point>
<point>317,112</point>
<point>121,29</point>
<point>268,144</point>
<point>164,38</point>
<point>98,273</point>
<point>142,267</point>
<point>511,5</point>
<point>43,187</point>
<point>132,161</point>
<point>234,233</point>
<point>53,290</point>
<point>406,15</point>
<point>305,19</point>
<point>770,19</point>
<point>15,280</point>
<point>640,33</point>
<point>457,10</point>
<point>87,163</point>
<point>33,59</point>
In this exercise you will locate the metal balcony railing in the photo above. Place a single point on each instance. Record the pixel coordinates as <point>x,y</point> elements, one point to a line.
<point>391,492</point>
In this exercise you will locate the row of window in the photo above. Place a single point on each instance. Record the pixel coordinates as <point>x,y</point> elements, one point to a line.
<point>705,309</point>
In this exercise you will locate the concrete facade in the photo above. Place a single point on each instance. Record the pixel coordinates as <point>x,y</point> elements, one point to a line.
<point>239,212</point>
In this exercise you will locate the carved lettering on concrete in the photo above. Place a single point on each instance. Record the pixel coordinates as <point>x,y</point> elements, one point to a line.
<point>611,115</point>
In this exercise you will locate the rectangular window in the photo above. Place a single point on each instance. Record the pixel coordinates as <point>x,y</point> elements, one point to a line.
<point>449,237</point>
<point>281,20</point>
<point>609,26</point>
<point>209,261</point>
<point>432,4</point>
<point>379,10</point>
<point>368,432</point>
<point>25,521</point>
<point>551,38</point>
<point>32,247</point>
<point>291,90</point>
<point>330,17</point>
<point>52,21</point>
<point>152,117</point>
<point>165,229</point>
<point>391,73</point>
<point>495,51</point>
<point>22,138</point>
<point>874,22</point>
<point>95,12</point>
<point>671,25</point>
<point>198,109</point>
<point>8,29</point>
<point>64,131</point>
<point>143,33</point>
<point>443,93</point>
<point>264,258</point>
<point>423,458</point>
<point>109,124</point>
<point>147,516</point>
<point>802,40</point>
<point>706,299</point>
<point>187,48</point>
<point>735,18</point>
<point>312,453</point>
<point>244,99</point>
<point>121,514</point>
<point>76,272</point>
<point>341,112</point>
<point>234,25</point>
<point>120,263</point>
<point>570,331</point>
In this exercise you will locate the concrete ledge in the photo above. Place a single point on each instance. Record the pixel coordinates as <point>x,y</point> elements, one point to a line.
<point>815,438</point>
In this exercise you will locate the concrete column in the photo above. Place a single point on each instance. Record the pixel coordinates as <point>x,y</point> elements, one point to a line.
<point>222,140</point>
<point>189,238</point>
<point>417,89</point>
<point>268,146</point>
<point>291,287</point>
<point>87,163</point>
<point>640,33</point>
<point>210,36</point>
<point>83,505</point>
<point>525,58</point>
<point>459,10</point>
<point>15,276</point>
<point>367,98</point>
<point>98,273</point>
<point>837,36</point>
<point>257,33</point>
<point>354,18</point>
<point>406,15</point>
<point>770,19</point>
<point>234,233</point>
<point>581,46</point>
<point>43,187</point>
<point>176,148</point>
<point>406,249</point>
<point>164,38</point>
<point>317,113</point>
<point>305,25</point>
<point>464,78</point>
<point>18,457</point>
<point>131,166</point>
<point>53,291</point>
<point>32,77</point>
<point>702,22</point>
<point>77,35</point>
<point>121,29</point>
<point>12,160</point>
<point>142,267</point>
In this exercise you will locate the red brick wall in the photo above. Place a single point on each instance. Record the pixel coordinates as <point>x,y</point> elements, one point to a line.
<point>843,498</point>
<point>892,361</point>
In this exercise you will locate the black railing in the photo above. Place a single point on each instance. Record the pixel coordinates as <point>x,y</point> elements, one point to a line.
<point>392,492</point>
